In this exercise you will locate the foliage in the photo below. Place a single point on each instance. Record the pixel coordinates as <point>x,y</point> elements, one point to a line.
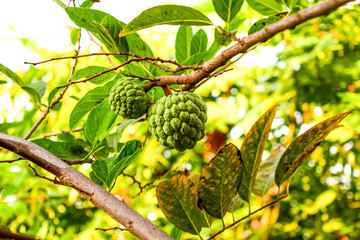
<point>314,78</point>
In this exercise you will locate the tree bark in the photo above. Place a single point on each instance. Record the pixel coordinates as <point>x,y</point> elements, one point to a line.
<point>130,219</point>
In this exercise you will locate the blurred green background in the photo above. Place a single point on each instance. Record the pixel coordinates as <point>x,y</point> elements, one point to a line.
<point>312,71</point>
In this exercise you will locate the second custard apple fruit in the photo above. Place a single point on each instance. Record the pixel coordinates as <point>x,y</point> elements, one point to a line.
<point>128,98</point>
<point>178,121</point>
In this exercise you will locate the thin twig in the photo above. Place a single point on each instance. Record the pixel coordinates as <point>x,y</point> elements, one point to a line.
<point>143,78</point>
<point>221,71</point>
<point>55,180</point>
<point>103,72</point>
<point>46,135</point>
<point>102,50</point>
<point>232,36</point>
<point>247,216</point>
<point>13,160</point>
<point>78,129</point>
<point>143,186</point>
<point>57,99</point>
<point>151,60</point>
<point>215,74</point>
<point>78,161</point>
<point>113,228</point>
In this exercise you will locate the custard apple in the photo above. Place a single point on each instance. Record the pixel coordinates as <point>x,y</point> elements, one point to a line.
<point>178,121</point>
<point>128,98</point>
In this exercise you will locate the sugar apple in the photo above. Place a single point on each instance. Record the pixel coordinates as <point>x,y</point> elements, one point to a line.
<point>178,121</point>
<point>128,98</point>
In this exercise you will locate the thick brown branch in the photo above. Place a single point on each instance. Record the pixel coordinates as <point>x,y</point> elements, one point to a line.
<point>166,90</point>
<point>131,220</point>
<point>247,42</point>
<point>5,234</point>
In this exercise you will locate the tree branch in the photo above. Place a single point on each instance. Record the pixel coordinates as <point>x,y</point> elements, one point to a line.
<point>137,58</point>
<point>12,160</point>
<point>245,217</point>
<point>55,181</point>
<point>130,219</point>
<point>56,100</point>
<point>113,228</point>
<point>6,234</point>
<point>247,42</point>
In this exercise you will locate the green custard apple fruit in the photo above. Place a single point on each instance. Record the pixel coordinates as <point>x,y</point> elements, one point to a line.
<point>178,121</point>
<point>128,98</point>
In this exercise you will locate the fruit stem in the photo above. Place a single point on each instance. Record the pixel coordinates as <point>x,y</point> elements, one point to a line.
<point>166,90</point>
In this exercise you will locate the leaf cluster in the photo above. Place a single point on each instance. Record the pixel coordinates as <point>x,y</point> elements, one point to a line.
<point>191,203</point>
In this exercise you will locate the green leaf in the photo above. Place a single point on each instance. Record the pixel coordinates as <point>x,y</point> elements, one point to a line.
<point>87,4</point>
<point>3,82</point>
<point>52,95</point>
<point>197,58</point>
<point>91,100</point>
<point>128,154</point>
<point>301,148</point>
<point>227,9</point>
<point>39,86</point>
<point>265,177</point>
<point>265,7</point>
<point>199,42</point>
<point>291,3</point>
<point>65,150</point>
<point>60,3</point>
<point>219,181</point>
<point>103,26</point>
<point>213,49</point>
<point>183,43</point>
<point>141,48</point>
<point>236,203</point>
<point>95,179</point>
<point>166,14</point>
<point>221,38</point>
<point>91,71</point>
<point>13,76</point>
<point>100,122</point>
<point>100,169</point>
<point>75,35</point>
<point>176,233</point>
<point>156,93</point>
<point>86,18</point>
<point>177,199</point>
<point>106,28</point>
<point>257,26</point>
<point>235,23</point>
<point>33,93</point>
<point>252,150</point>
<point>108,31</point>
<point>121,128</point>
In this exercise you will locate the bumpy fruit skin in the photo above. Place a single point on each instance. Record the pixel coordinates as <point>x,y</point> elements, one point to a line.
<point>178,120</point>
<point>128,98</point>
